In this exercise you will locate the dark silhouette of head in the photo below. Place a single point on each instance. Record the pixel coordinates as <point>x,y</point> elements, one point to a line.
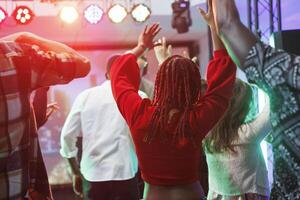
<point>109,63</point>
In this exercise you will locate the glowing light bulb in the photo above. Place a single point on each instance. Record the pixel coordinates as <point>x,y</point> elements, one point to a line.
<point>69,14</point>
<point>117,13</point>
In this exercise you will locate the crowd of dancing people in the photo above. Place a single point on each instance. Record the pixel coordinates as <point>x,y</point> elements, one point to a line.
<point>128,125</point>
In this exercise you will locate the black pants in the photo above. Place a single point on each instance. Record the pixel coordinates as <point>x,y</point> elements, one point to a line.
<point>111,190</point>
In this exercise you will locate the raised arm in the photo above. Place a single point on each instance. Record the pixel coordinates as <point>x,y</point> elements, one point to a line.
<point>273,70</point>
<point>145,39</point>
<point>82,63</point>
<point>125,78</point>
<point>209,18</point>
<point>125,81</point>
<point>221,74</point>
<point>236,37</point>
<point>46,68</point>
<point>259,128</point>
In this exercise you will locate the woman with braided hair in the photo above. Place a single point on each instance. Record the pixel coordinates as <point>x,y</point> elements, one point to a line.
<point>167,131</point>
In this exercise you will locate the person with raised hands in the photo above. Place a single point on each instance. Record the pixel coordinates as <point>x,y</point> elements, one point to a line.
<point>168,130</point>
<point>236,165</point>
<point>28,62</point>
<point>277,73</point>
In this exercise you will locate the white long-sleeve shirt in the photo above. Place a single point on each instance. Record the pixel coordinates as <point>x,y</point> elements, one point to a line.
<point>107,148</point>
<point>234,174</point>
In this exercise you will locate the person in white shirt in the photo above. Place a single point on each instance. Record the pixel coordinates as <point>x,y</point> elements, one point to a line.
<point>108,164</point>
<point>236,167</point>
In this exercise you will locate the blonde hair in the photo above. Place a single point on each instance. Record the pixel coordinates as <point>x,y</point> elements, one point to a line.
<point>226,130</point>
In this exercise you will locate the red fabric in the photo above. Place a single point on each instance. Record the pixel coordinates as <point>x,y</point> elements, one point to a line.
<point>164,163</point>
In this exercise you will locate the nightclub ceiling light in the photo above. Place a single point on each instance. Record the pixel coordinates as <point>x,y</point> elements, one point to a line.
<point>23,15</point>
<point>140,12</point>
<point>181,18</point>
<point>117,13</point>
<point>93,14</point>
<point>3,15</point>
<point>69,14</point>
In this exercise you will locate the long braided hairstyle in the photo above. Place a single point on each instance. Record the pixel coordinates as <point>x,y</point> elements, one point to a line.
<point>177,86</point>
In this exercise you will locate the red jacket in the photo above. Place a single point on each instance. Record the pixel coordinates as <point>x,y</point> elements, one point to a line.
<point>163,163</point>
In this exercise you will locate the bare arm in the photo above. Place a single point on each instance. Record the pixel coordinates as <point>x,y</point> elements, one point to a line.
<point>76,178</point>
<point>217,42</point>
<point>70,132</point>
<point>209,18</point>
<point>74,166</point>
<point>236,37</point>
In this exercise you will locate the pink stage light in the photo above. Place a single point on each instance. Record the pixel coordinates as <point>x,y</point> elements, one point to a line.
<point>23,15</point>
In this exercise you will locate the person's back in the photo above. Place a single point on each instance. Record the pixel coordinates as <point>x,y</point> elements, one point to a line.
<point>14,92</point>
<point>106,139</point>
<point>108,163</point>
<point>167,132</point>
<point>277,73</point>
<point>24,67</point>
<point>235,161</point>
<point>239,173</point>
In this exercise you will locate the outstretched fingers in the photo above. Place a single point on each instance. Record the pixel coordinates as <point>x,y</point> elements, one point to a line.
<point>153,27</point>
<point>203,13</point>
<point>145,31</point>
<point>209,5</point>
<point>156,31</point>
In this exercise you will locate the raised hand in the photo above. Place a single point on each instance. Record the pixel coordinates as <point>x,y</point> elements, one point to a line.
<point>225,13</point>
<point>162,51</point>
<point>209,15</point>
<point>186,55</point>
<point>148,34</point>
<point>238,38</point>
<point>145,39</point>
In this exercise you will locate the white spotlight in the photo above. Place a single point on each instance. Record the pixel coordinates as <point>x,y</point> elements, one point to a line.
<point>140,12</point>
<point>69,14</point>
<point>93,14</point>
<point>117,13</point>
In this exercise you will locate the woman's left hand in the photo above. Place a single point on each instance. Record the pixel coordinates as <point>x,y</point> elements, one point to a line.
<point>148,34</point>
<point>209,15</point>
